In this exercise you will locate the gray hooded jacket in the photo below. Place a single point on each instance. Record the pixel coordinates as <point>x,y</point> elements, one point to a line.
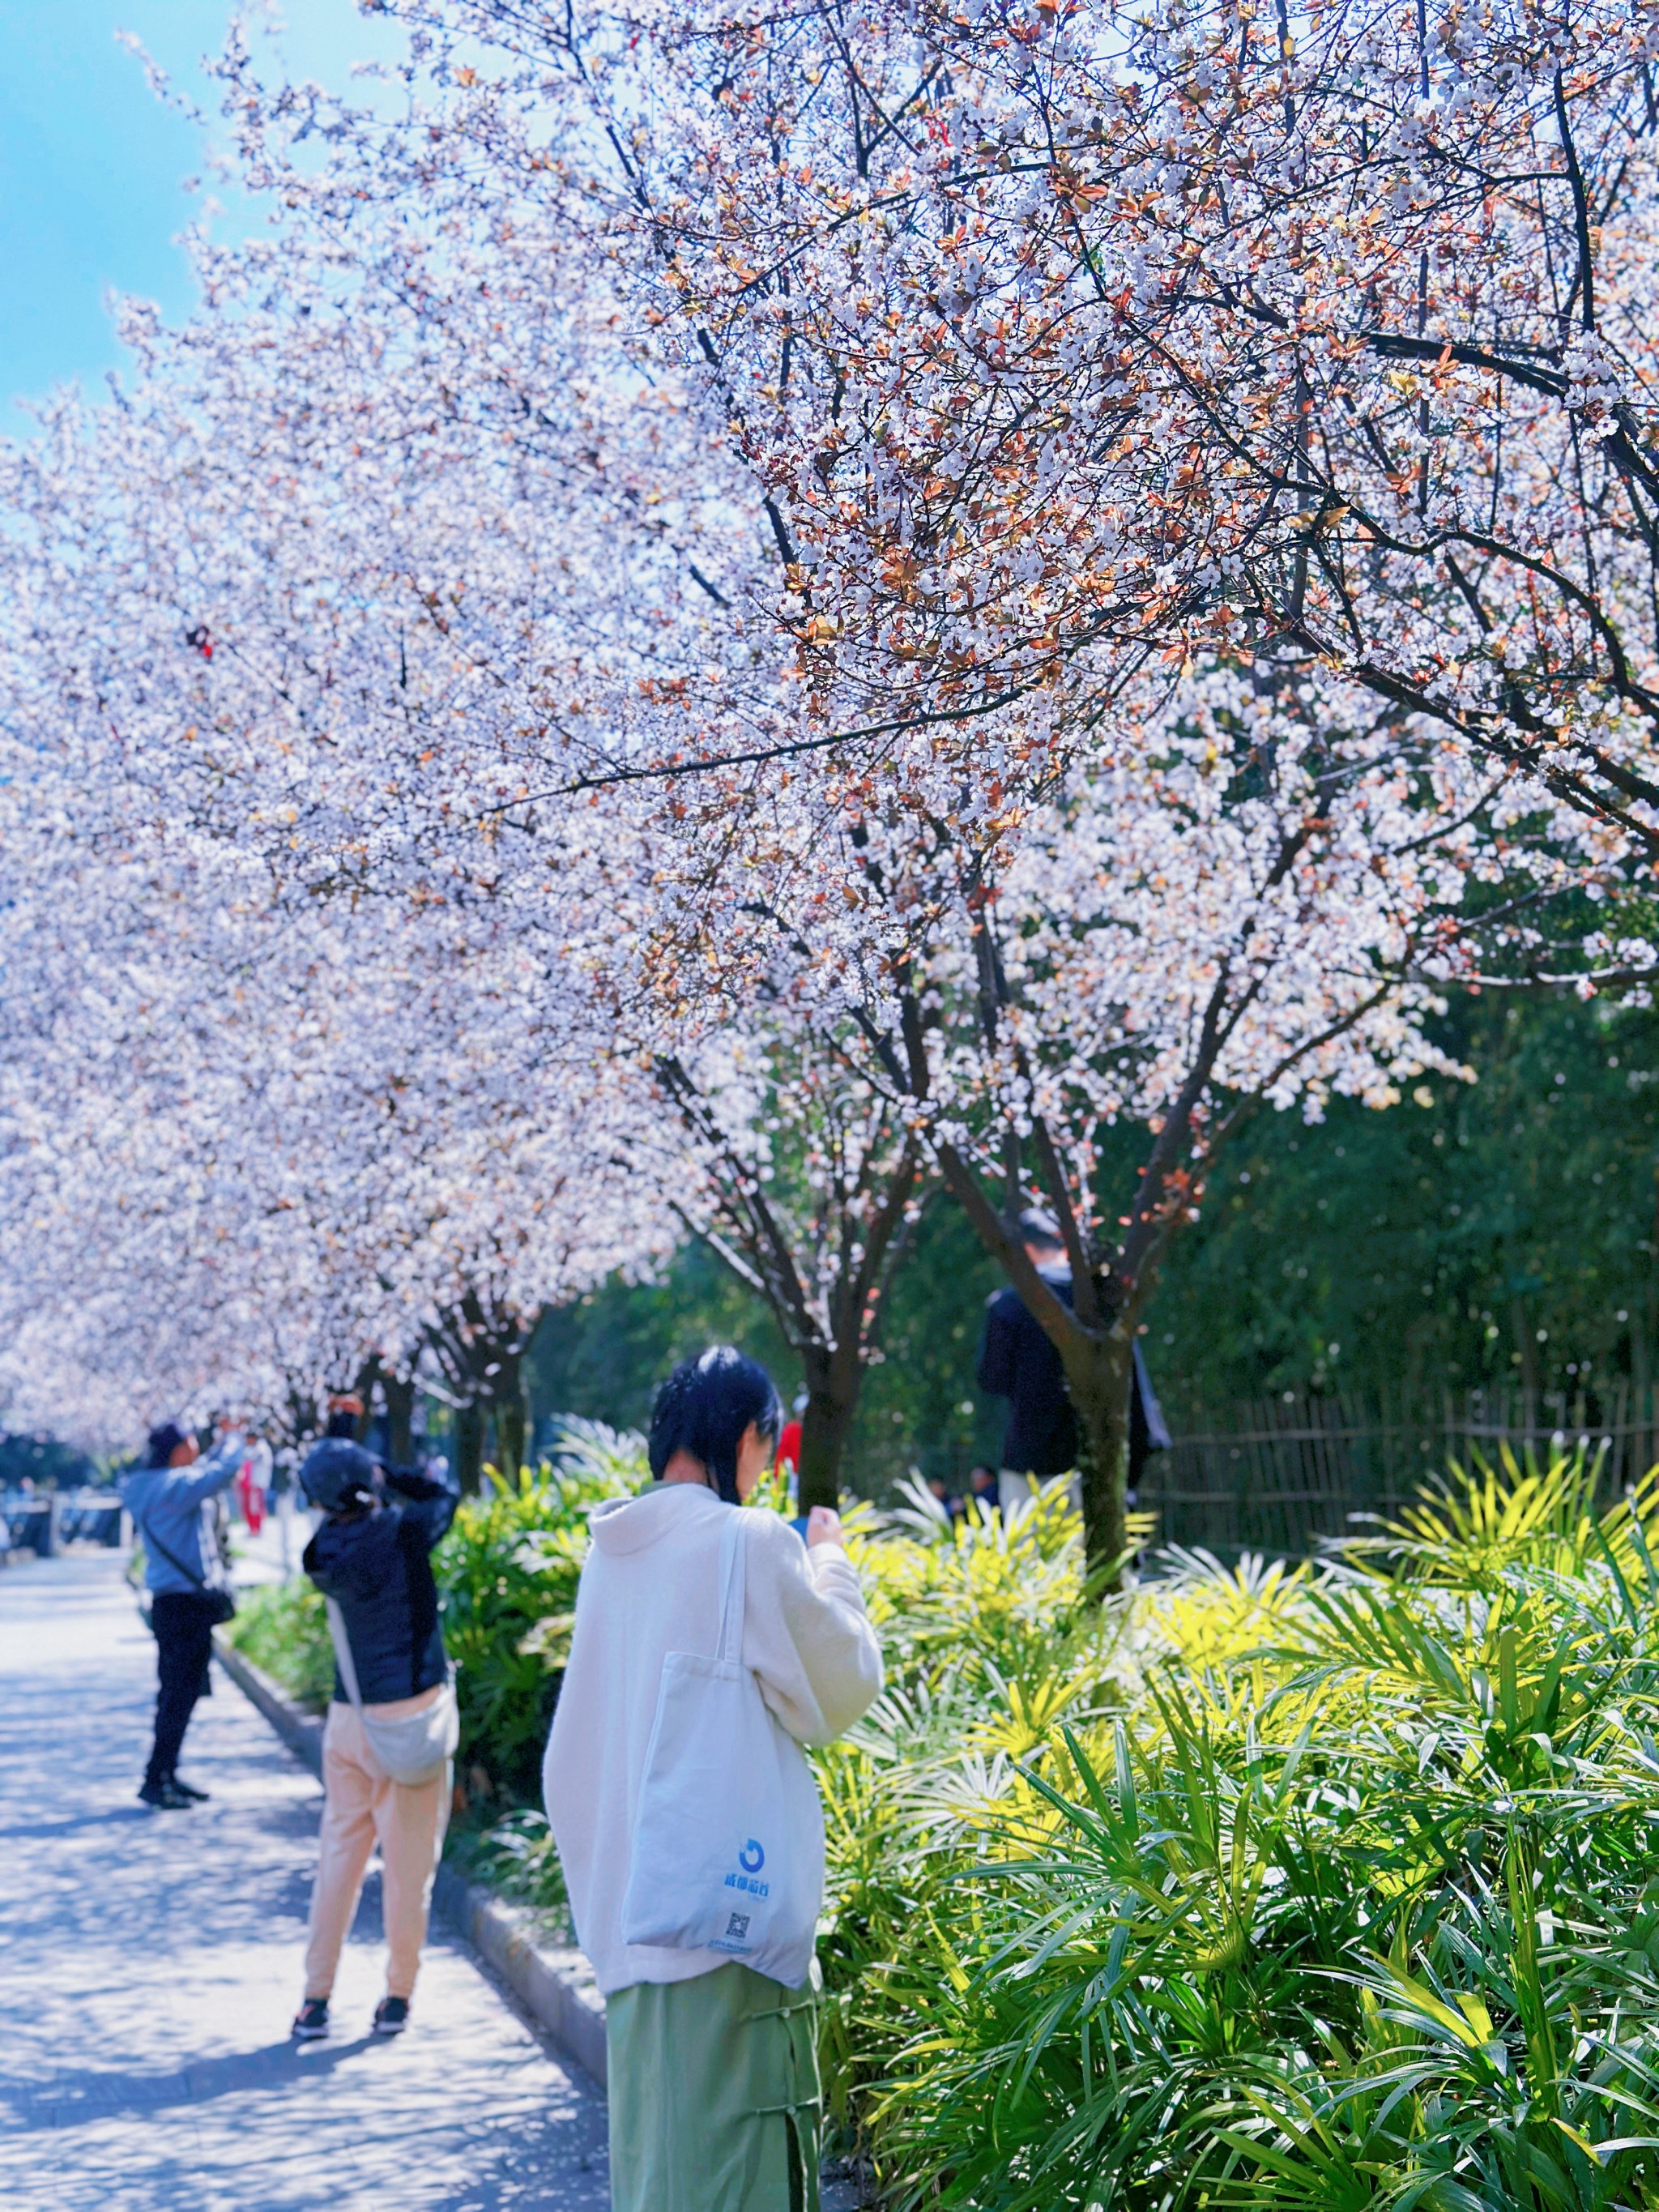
<point>173,1506</point>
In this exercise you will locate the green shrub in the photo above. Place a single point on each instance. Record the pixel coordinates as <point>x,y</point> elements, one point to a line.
<point>282,1627</point>
<point>987,1644</point>
<point>1351,1903</point>
<point>1328,1886</point>
<point>519,1855</point>
<point>507,1572</point>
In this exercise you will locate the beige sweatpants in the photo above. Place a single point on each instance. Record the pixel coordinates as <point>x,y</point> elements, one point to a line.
<point>362,1805</point>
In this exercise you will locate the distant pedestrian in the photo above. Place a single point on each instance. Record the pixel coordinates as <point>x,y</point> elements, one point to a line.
<point>253,1483</point>
<point>948,1503</point>
<point>982,1491</point>
<point>787,1460</point>
<point>717,1631</point>
<point>1018,1361</point>
<point>390,1736</point>
<point>284,1480</point>
<point>173,1498</point>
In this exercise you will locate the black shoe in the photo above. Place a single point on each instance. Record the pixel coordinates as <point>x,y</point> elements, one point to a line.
<point>165,1796</point>
<point>189,1790</point>
<point>311,2021</point>
<point>391,2016</point>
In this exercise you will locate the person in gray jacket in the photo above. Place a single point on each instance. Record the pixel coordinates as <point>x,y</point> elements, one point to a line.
<point>172,1498</point>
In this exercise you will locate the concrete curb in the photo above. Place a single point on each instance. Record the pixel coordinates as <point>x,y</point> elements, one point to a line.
<point>301,1732</point>
<point>556,1988</point>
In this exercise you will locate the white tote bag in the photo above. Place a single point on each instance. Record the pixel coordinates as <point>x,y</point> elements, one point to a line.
<point>728,1841</point>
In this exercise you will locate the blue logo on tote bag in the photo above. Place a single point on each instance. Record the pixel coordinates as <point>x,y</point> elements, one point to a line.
<point>751,1858</point>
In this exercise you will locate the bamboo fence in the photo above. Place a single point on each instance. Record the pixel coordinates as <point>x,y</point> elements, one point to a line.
<point>1274,1475</point>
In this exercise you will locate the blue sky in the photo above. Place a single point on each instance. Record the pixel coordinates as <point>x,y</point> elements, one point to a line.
<point>92,167</point>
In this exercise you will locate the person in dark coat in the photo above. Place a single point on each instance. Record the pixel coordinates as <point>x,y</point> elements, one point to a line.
<point>1018,1361</point>
<point>372,1556</point>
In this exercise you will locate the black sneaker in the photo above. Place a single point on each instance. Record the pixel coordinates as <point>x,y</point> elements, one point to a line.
<point>391,2016</point>
<point>165,1796</point>
<point>311,2021</point>
<point>189,1790</point>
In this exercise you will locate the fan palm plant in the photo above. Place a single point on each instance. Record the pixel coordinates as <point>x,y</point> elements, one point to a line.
<point>1351,1906</point>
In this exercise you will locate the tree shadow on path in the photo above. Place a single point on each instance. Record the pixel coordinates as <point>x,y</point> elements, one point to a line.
<point>87,2092</point>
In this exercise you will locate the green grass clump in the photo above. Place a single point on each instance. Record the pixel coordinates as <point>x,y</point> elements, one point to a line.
<point>507,1572</point>
<point>1328,1887</point>
<point>282,1627</point>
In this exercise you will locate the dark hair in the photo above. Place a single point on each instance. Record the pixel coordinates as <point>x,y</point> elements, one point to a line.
<point>341,1424</point>
<point>164,1442</point>
<point>1035,1226</point>
<point>704,1407</point>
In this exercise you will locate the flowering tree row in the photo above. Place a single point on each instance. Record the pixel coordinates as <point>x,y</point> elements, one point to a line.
<point>817,606</point>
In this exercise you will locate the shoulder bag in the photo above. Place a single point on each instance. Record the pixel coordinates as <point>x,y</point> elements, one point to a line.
<point>728,1841</point>
<point>413,1747</point>
<point>221,1599</point>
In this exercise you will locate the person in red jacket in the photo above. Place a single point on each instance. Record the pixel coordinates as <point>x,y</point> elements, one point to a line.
<point>788,1460</point>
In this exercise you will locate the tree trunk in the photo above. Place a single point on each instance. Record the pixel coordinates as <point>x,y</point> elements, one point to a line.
<point>506,1407</point>
<point>469,1446</point>
<point>364,1387</point>
<point>399,1419</point>
<point>1099,1375</point>
<point>510,1427</point>
<point>1098,1359</point>
<point>832,1397</point>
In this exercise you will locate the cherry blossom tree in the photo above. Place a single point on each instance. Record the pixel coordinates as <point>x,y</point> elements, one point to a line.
<point>243,1149</point>
<point>807,1180</point>
<point>1267,911</point>
<point>1056,341</point>
<point>1009,515</point>
<point>1067,357</point>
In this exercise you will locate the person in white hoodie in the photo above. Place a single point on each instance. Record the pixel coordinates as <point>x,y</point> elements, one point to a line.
<point>713,2067</point>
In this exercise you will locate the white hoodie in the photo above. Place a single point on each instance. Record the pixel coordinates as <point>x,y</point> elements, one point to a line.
<point>649,1588</point>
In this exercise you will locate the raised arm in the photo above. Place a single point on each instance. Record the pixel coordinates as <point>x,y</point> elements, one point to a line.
<point>190,1485</point>
<point>807,1634</point>
<point>430,1502</point>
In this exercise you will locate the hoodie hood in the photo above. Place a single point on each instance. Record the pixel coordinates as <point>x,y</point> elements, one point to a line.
<point>629,1524</point>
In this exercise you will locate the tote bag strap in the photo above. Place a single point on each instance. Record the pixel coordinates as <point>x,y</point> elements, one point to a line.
<point>731,1587</point>
<point>342,1642</point>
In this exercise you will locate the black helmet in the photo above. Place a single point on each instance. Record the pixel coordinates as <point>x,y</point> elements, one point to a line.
<point>339,1475</point>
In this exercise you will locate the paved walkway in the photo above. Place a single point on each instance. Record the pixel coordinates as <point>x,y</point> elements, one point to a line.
<point>149,1965</point>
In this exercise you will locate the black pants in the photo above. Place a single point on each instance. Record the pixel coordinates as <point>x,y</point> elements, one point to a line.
<point>183,1621</point>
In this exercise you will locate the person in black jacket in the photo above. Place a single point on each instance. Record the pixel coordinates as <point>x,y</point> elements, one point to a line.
<point>1018,1362</point>
<point>372,1556</point>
